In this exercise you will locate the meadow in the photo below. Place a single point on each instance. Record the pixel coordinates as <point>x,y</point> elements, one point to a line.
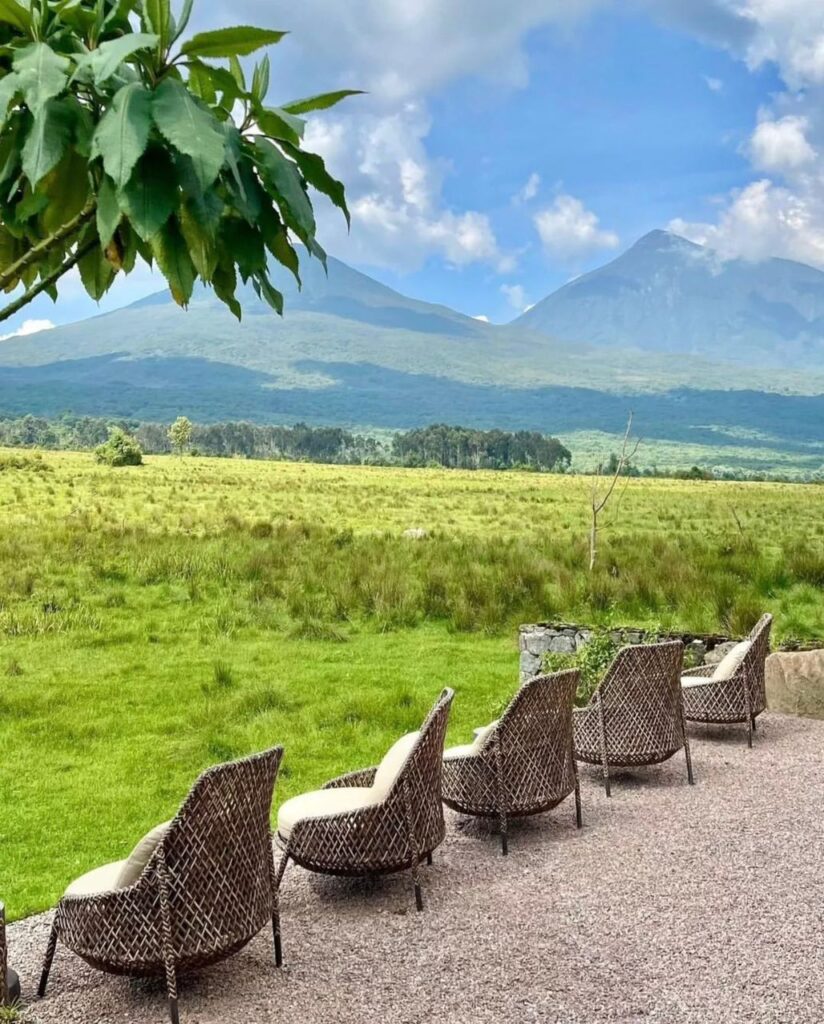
<point>154,620</point>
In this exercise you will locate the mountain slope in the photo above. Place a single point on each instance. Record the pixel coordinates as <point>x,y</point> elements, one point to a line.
<point>668,295</point>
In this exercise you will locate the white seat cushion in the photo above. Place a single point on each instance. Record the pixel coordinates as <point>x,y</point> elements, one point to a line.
<point>731,662</point>
<point>323,802</point>
<point>392,764</point>
<point>103,879</point>
<point>135,864</point>
<point>472,749</point>
<point>688,681</point>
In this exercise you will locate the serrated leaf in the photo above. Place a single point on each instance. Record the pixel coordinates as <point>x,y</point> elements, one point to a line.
<point>283,178</point>
<point>173,259</point>
<point>109,214</point>
<point>277,240</point>
<point>239,41</point>
<point>12,13</point>
<point>183,21</point>
<point>245,244</point>
<point>270,294</point>
<point>123,134</point>
<point>151,194</point>
<point>109,56</point>
<point>323,101</point>
<point>260,79</point>
<point>48,137</point>
<point>201,82</point>
<point>278,124</point>
<point>314,170</point>
<point>190,128</point>
<point>43,74</point>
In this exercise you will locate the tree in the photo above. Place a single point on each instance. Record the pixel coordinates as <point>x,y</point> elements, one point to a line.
<point>119,143</point>
<point>619,464</point>
<point>120,450</point>
<point>180,434</point>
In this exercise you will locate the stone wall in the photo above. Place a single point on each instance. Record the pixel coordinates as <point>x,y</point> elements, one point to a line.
<point>537,640</point>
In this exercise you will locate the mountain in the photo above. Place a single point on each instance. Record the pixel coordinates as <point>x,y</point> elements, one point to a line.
<point>354,352</point>
<point>668,295</point>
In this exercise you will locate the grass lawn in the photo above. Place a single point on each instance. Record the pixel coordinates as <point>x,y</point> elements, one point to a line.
<point>156,620</point>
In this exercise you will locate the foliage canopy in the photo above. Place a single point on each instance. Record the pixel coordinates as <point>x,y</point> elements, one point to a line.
<point>119,142</point>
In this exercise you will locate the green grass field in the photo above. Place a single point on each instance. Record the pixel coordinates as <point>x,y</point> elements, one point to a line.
<point>156,620</point>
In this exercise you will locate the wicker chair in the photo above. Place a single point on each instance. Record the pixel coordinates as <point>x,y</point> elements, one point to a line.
<point>522,764</point>
<point>207,889</point>
<point>741,697</point>
<point>636,716</point>
<point>375,821</point>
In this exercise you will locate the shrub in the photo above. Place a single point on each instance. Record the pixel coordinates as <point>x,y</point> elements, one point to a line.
<point>592,661</point>
<point>120,450</point>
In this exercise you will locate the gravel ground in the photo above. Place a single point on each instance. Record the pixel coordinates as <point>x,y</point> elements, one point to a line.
<point>674,904</point>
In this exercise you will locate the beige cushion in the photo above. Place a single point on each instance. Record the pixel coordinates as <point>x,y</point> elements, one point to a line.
<point>687,681</point>
<point>392,764</point>
<point>472,749</point>
<point>103,879</point>
<point>323,802</point>
<point>731,662</point>
<point>140,856</point>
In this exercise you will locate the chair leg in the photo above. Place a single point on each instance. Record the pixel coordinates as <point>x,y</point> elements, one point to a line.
<point>579,819</point>
<point>276,878</point>
<point>429,858</point>
<point>754,724</point>
<point>504,834</point>
<point>417,884</point>
<point>413,848</point>
<point>604,757</point>
<point>687,751</point>
<point>168,943</point>
<point>51,949</point>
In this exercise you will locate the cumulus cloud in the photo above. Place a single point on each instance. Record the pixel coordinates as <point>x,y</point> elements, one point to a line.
<point>713,84</point>
<point>29,327</point>
<point>395,193</point>
<point>781,145</point>
<point>482,317</point>
<point>569,231</point>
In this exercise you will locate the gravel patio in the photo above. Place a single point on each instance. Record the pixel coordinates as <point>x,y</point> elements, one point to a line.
<point>675,904</point>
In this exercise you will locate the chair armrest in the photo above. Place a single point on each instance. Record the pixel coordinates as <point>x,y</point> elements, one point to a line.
<point>702,672</point>
<point>363,778</point>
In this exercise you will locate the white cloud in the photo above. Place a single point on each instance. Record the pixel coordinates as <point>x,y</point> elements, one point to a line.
<point>713,84</point>
<point>399,218</point>
<point>515,296</point>
<point>482,317</point>
<point>29,327</point>
<point>781,145</point>
<point>569,231</point>
<point>529,189</point>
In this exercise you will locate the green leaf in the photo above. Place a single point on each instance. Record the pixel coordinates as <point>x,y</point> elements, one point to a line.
<point>245,243</point>
<point>183,22</point>
<point>314,170</point>
<point>191,128</point>
<point>260,79</point>
<point>96,272</point>
<point>9,87</point>
<point>239,41</point>
<point>236,71</point>
<point>224,284</point>
<point>123,134</point>
<point>158,16</point>
<point>109,56</point>
<point>108,211</point>
<point>151,194</point>
<point>67,191</point>
<point>283,178</point>
<point>278,124</point>
<point>47,140</point>
<point>201,82</point>
<point>172,255</point>
<point>323,101</point>
<point>11,13</point>
<point>200,240</point>
<point>270,294</point>
<point>43,74</point>
<point>277,240</point>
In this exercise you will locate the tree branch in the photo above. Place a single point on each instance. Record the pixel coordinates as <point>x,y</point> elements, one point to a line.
<point>12,273</point>
<point>47,282</point>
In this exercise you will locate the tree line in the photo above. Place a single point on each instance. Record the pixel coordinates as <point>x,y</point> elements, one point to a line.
<point>438,446</point>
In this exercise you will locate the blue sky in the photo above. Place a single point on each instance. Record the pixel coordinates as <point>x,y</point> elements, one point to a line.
<point>504,148</point>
